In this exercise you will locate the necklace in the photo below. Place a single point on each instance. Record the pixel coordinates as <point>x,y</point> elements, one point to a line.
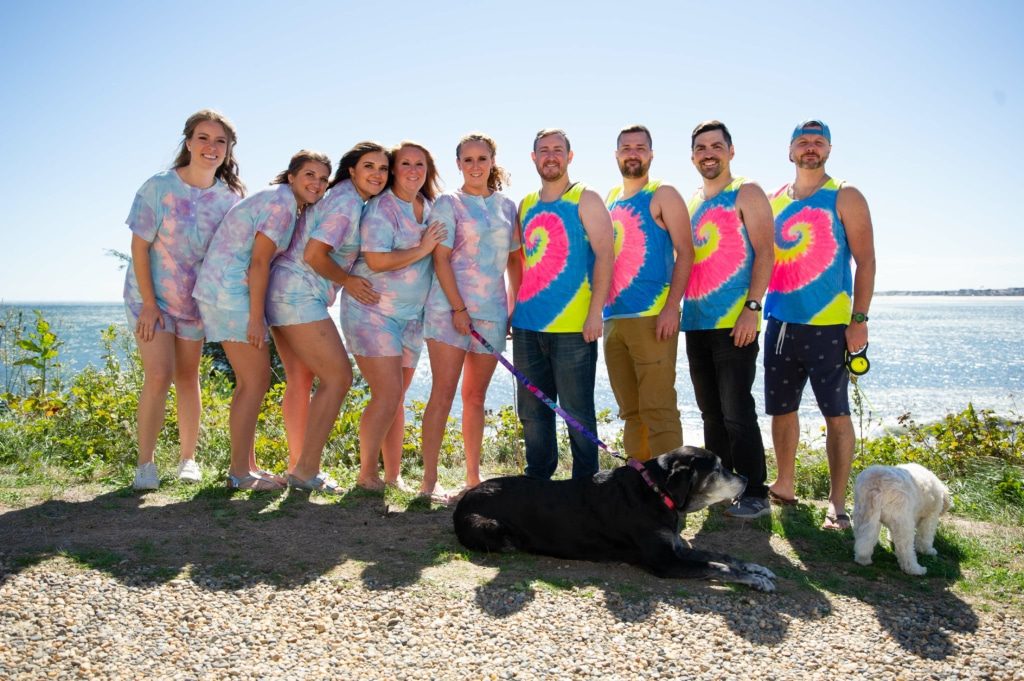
<point>793,189</point>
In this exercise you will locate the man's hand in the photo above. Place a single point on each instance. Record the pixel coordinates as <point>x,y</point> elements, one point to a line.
<point>593,327</point>
<point>668,323</point>
<point>745,330</point>
<point>856,336</point>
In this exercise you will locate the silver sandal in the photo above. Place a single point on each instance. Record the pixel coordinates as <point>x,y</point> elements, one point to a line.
<point>321,482</point>
<point>253,483</point>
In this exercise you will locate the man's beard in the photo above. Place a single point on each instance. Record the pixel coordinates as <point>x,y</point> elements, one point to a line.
<point>634,169</point>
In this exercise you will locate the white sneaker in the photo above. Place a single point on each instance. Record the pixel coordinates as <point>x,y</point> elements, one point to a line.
<point>146,477</point>
<point>188,471</point>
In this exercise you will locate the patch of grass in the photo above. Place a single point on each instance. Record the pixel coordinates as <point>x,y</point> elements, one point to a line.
<point>224,516</point>
<point>146,550</point>
<point>990,565</point>
<point>629,591</point>
<point>553,584</point>
<point>96,559</point>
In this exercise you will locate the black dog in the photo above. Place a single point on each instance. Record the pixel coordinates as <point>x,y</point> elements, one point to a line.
<point>613,516</point>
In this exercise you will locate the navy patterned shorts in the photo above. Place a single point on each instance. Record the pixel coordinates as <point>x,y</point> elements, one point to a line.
<point>797,353</point>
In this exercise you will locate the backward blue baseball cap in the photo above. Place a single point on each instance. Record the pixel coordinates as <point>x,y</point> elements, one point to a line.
<point>811,127</point>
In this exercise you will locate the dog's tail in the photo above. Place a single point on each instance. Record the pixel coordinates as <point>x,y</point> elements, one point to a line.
<point>868,501</point>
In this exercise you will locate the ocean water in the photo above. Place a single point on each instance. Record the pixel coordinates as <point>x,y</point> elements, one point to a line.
<point>930,355</point>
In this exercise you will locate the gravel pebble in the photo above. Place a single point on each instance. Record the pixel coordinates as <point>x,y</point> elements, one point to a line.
<point>60,622</point>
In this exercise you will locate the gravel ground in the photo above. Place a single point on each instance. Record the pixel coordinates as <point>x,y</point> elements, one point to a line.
<point>98,583</point>
<point>58,620</point>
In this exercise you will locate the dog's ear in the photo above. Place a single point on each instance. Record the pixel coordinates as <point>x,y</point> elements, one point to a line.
<point>681,480</point>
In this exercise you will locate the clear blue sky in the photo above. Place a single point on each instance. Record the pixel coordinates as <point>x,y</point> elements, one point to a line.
<point>924,99</point>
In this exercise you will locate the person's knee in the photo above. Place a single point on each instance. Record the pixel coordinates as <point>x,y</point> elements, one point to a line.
<point>186,383</point>
<point>253,379</point>
<point>839,425</point>
<point>159,378</point>
<point>474,398</point>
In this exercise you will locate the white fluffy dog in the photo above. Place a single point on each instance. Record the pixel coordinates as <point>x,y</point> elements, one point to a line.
<point>908,500</point>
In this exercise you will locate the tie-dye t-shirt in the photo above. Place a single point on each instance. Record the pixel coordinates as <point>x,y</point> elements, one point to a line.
<point>723,261</point>
<point>644,256</point>
<point>389,224</point>
<point>334,220</point>
<point>554,295</point>
<point>224,277</point>
<point>481,233</point>
<point>178,220</point>
<point>812,282</point>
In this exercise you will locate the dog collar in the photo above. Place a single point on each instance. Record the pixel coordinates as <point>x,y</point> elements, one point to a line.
<point>639,468</point>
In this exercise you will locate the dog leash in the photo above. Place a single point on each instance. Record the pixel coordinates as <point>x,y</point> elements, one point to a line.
<point>571,420</point>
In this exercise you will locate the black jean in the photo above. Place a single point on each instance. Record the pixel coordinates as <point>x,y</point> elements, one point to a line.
<point>722,376</point>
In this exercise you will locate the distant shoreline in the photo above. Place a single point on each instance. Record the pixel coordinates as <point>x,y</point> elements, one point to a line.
<point>958,292</point>
<point>962,292</point>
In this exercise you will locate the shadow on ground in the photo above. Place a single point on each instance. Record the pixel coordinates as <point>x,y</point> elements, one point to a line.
<point>227,541</point>
<point>219,538</point>
<point>919,613</point>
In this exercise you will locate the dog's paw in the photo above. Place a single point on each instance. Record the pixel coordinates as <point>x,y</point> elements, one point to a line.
<point>760,582</point>
<point>862,560</point>
<point>917,570</point>
<point>930,551</point>
<point>755,569</point>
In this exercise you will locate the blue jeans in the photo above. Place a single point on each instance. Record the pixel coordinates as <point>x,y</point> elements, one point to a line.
<point>563,366</point>
<point>722,376</point>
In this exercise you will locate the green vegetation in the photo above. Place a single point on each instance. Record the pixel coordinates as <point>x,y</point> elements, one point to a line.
<point>55,433</point>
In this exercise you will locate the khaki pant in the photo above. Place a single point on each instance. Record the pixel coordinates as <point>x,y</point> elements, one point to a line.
<point>642,371</point>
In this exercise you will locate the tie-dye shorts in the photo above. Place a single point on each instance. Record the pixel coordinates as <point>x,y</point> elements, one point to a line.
<point>370,334</point>
<point>186,329</point>
<point>225,325</point>
<point>437,325</point>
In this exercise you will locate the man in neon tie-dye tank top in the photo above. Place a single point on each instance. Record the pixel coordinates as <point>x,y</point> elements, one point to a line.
<point>567,243</point>
<point>653,257</point>
<point>817,309</point>
<point>732,235</point>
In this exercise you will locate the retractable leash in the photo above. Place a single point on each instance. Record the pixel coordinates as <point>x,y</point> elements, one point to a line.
<point>857,362</point>
<point>571,420</point>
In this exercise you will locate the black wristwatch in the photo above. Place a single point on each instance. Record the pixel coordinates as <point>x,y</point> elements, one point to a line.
<point>859,317</point>
<point>752,305</point>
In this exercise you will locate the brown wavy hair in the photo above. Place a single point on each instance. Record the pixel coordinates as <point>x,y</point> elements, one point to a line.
<point>298,160</point>
<point>350,159</point>
<point>228,170</point>
<point>498,177</point>
<point>432,184</point>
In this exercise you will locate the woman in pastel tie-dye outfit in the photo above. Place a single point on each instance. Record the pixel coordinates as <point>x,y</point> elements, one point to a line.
<point>303,284</point>
<point>231,292</point>
<point>386,338</point>
<point>172,220</point>
<point>469,286</point>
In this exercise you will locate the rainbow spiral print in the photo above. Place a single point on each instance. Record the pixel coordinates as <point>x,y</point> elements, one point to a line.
<point>547,253</point>
<point>805,247</point>
<point>719,251</point>
<point>630,249</point>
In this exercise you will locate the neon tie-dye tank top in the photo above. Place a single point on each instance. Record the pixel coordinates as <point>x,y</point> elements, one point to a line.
<point>554,295</point>
<point>722,264</point>
<point>644,256</point>
<point>812,282</point>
